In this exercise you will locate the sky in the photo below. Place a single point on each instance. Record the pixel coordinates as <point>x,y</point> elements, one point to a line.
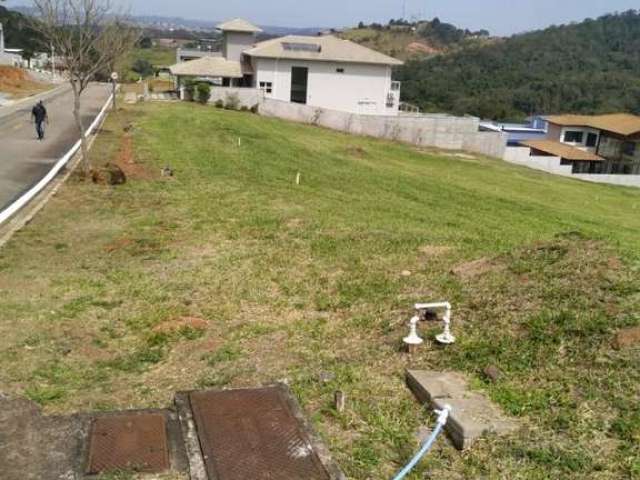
<point>500,17</point>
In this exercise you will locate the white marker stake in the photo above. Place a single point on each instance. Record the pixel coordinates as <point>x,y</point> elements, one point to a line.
<point>298,179</point>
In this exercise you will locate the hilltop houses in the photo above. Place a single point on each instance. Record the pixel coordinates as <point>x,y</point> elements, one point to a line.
<point>322,71</point>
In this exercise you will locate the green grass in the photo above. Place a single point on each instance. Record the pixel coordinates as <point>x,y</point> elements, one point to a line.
<point>158,56</point>
<point>297,281</point>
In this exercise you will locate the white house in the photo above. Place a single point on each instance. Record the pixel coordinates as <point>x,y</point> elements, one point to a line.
<point>322,71</point>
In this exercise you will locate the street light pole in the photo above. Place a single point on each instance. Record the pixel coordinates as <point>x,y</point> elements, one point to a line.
<point>114,80</point>
<point>53,62</point>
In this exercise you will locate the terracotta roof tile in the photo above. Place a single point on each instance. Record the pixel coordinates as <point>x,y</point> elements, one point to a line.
<point>322,48</point>
<point>561,150</point>
<point>620,123</point>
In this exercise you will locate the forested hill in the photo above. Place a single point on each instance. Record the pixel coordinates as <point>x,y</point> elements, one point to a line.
<point>18,32</point>
<point>590,67</point>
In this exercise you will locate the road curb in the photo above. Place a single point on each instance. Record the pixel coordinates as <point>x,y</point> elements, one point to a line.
<point>19,219</point>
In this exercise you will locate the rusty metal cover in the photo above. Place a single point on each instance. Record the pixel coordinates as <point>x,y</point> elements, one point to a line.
<point>128,442</point>
<point>253,434</point>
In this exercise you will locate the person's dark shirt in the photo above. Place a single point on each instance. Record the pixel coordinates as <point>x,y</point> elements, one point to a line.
<point>39,113</point>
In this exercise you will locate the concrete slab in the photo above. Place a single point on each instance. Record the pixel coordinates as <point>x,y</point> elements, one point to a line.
<point>473,414</point>
<point>37,447</point>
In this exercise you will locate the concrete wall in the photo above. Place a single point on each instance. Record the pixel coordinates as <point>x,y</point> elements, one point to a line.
<point>522,156</point>
<point>440,131</point>
<point>625,180</point>
<point>361,88</point>
<point>247,97</point>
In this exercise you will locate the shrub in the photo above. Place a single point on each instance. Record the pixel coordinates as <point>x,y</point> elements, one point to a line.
<point>255,108</point>
<point>244,108</point>
<point>142,67</point>
<point>204,92</point>
<point>233,102</point>
<point>189,90</point>
<point>219,104</point>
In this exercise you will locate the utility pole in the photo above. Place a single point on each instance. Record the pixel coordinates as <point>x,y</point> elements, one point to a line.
<point>404,9</point>
<point>114,81</point>
<point>53,63</point>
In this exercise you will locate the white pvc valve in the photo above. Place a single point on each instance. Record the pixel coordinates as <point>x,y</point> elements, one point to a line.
<point>413,338</point>
<point>446,337</point>
<point>443,415</point>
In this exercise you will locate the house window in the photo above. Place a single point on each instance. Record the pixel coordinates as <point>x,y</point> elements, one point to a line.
<point>395,86</point>
<point>592,140</point>
<point>266,86</point>
<point>391,100</point>
<point>340,70</point>
<point>629,148</point>
<point>573,136</point>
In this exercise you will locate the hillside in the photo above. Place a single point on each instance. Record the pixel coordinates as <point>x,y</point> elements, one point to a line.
<point>18,32</point>
<point>314,283</point>
<point>590,67</point>
<point>414,40</point>
<point>17,83</point>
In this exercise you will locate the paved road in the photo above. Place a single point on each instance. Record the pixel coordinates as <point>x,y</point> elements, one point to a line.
<point>23,159</point>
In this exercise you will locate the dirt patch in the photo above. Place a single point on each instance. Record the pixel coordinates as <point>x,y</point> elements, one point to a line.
<point>629,337</point>
<point>180,324</point>
<point>419,47</point>
<point>18,82</point>
<point>476,268</point>
<point>127,163</point>
<point>120,244</point>
<point>356,151</point>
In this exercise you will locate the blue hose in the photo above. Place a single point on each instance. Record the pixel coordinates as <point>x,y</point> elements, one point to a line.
<point>425,448</point>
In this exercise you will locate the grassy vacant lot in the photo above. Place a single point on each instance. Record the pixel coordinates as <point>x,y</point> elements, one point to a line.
<point>157,56</point>
<point>310,284</point>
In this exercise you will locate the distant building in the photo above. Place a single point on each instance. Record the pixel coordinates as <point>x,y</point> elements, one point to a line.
<point>600,144</point>
<point>536,128</point>
<point>320,71</point>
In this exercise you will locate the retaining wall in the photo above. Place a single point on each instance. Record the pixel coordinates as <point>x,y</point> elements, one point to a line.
<point>521,156</point>
<point>440,131</point>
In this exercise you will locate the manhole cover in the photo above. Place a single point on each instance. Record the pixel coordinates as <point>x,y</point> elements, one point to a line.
<point>253,434</point>
<point>129,442</point>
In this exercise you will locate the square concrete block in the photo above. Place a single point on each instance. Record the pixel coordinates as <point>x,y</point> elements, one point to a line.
<point>472,415</point>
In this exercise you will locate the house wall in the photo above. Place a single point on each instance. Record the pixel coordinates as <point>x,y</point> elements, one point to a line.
<point>554,132</point>
<point>441,131</point>
<point>585,134</point>
<point>235,43</point>
<point>247,97</point>
<point>361,89</point>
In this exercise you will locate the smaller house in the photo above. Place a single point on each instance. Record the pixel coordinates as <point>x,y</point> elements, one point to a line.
<point>592,144</point>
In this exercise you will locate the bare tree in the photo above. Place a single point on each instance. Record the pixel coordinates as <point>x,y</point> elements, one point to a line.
<point>90,37</point>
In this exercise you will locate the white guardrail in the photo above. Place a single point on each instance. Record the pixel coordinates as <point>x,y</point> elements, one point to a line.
<point>23,200</point>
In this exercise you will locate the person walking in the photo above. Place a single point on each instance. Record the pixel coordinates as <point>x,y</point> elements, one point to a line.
<point>39,114</point>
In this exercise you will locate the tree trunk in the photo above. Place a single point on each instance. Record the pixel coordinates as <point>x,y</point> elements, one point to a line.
<point>86,161</point>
